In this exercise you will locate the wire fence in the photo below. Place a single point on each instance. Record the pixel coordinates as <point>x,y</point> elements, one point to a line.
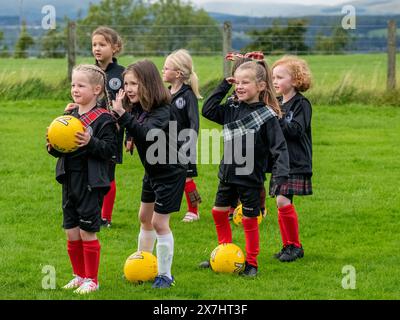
<point>155,40</point>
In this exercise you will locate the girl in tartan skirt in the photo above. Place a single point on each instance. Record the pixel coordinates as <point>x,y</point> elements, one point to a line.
<point>291,76</point>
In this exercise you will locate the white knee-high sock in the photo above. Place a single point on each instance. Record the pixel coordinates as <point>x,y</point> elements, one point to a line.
<point>165,253</point>
<point>146,240</point>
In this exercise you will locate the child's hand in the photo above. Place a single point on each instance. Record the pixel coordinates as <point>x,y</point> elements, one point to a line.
<point>83,138</point>
<point>70,106</point>
<point>130,145</point>
<point>231,80</point>
<point>117,103</point>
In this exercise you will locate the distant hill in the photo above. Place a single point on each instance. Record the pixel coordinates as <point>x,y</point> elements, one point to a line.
<point>279,9</point>
<point>370,32</point>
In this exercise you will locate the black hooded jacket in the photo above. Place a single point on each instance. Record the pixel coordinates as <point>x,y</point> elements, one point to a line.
<point>92,159</point>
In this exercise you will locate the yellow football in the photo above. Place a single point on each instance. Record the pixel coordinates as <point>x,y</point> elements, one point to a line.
<point>61,133</point>
<point>140,266</point>
<point>238,215</point>
<point>227,258</point>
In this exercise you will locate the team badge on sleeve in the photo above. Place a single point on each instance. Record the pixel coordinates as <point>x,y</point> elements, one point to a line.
<point>115,83</point>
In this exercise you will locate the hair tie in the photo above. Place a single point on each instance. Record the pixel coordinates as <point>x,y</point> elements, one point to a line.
<point>254,55</point>
<point>233,55</point>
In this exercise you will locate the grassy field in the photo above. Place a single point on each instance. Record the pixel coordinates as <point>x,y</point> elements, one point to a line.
<point>338,79</point>
<point>352,218</point>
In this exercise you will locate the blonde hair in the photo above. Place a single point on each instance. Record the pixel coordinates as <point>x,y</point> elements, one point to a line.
<point>111,36</point>
<point>181,60</point>
<point>263,73</point>
<point>97,77</point>
<point>298,70</point>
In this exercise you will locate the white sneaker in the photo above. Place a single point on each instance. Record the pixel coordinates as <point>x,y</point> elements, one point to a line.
<point>74,283</point>
<point>190,217</point>
<point>87,286</point>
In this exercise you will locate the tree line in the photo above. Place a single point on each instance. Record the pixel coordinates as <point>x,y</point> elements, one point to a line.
<point>165,25</point>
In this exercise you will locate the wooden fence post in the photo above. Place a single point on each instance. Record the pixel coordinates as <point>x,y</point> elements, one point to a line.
<point>71,47</point>
<point>391,49</point>
<point>227,47</point>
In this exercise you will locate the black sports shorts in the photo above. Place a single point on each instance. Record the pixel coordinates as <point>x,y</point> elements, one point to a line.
<point>229,193</point>
<point>81,204</point>
<point>166,194</point>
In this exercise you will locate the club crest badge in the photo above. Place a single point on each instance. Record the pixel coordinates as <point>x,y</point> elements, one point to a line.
<point>289,116</point>
<point>115,83</point>
<point>180,103</point>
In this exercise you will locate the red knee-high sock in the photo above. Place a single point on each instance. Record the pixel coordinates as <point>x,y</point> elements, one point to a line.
<point>290,224</point>
<point>91,252</point>
<point>282,229</point>
<point>108,202</point>
<point>252,235</point>
<point>221,220</point>
<point>75,252</point>
<point>190,186</point>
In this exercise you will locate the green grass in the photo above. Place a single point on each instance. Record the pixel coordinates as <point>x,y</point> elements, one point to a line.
<point>352,218</point>
<point>337,79</point>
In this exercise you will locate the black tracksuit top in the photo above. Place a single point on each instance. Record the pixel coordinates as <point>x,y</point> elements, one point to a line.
<point>296,127</point>
<point>270,149</point>
<point>115,81</point>
<point>185,109</point>
<point>93,158</point>
<point>158,118</point>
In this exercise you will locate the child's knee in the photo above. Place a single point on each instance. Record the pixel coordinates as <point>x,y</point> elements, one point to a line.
<point>87,236</point>
<point>282,201</point>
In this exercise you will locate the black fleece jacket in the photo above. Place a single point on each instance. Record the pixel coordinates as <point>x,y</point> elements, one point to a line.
<point>296,127</point>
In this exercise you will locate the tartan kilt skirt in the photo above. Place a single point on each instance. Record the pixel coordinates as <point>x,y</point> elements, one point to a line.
<point>296,185</point>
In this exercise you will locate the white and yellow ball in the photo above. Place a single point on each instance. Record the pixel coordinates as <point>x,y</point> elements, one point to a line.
<point>238,216</point>
<point>227,258</point>
<point>61,133</point>
<point>140,266</point>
